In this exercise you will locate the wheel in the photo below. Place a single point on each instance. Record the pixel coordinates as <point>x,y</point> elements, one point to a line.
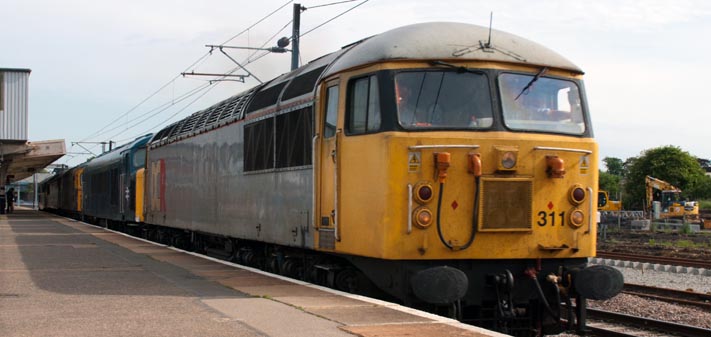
<point>347,280</point>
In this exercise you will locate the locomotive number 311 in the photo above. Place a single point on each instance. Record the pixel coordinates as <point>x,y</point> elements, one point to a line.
<point>545,219</point>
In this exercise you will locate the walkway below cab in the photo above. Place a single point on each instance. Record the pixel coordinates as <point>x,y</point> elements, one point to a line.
<point>60,277</point>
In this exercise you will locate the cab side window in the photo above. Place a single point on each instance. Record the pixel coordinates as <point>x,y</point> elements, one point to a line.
<point>363,106</point>
<point>329,125</point>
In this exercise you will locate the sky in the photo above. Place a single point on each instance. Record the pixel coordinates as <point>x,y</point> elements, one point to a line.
<point>110,70</point>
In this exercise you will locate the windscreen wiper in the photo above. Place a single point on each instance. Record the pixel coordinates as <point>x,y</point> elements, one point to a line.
<point>459,69</point>
<point>535,78</point>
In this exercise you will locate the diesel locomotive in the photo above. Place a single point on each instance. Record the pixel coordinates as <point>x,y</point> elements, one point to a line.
<point>446,166</point>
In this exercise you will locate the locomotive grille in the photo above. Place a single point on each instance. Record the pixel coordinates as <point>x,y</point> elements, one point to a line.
<point>506,204</point>
<point>327,239</point>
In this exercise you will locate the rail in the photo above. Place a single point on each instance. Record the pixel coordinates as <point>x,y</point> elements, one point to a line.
<point>645,324</point>
<point>684,297</point>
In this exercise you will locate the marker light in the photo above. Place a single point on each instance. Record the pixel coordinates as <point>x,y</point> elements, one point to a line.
<point>442,160</point>
<point>576,218</point>
<point>475,164</point>
<point>555,167</point>
<point>577,194</point>
<point>423,192</point>
<point>422,217</point>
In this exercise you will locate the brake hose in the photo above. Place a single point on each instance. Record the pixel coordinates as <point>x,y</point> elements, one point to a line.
<point>475,217</point>
<point>546,305</point>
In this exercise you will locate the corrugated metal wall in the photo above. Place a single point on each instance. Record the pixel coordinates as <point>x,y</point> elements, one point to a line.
<point>14,105</point>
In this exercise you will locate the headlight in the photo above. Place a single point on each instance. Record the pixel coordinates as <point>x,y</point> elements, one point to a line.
<point>576,218</point>
<point>422,217</point>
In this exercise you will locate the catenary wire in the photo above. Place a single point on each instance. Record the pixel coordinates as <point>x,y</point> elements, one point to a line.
<point>180,99</point>
<point>248,60</point>
<point>333,18</point>
<point>182,109</point>
<point>270,39</point>
<point>258,22</point>
<point>99,132</point>
<point>331,4</point>
<point>159,108</point>
<point>165,121</point>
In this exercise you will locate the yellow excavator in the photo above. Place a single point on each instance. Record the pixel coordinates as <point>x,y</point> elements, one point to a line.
<point>605,204</point>
<point>669,198</point>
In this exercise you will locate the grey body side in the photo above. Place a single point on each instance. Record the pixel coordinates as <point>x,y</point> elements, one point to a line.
<point>206,190</point>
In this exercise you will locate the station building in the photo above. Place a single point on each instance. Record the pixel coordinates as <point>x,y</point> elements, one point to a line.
<point>19,157</point>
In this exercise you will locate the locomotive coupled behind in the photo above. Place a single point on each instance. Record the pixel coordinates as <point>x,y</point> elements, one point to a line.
<point>446,166</point>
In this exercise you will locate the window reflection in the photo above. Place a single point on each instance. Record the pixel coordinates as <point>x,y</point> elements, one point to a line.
<point>548,104</point>
<point>439,99</point>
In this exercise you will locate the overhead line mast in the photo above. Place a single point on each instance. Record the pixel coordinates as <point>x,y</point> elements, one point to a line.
<point>295,32</point>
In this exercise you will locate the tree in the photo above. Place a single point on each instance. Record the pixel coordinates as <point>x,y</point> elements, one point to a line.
<point>615,166</point>
<point>668,163</point>
<point>610,180</point>
<point>610,183</point>
<point>700,188</point>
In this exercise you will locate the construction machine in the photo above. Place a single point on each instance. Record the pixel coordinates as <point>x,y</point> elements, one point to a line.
<point>605,204</point>
<point>669,199</point>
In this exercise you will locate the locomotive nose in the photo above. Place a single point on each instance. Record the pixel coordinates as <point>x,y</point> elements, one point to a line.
<point>598,282</point>
<point>440,285</point>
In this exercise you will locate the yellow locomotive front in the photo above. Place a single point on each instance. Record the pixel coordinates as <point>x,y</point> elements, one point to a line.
<point>461,174</point>
<point>453,184</point>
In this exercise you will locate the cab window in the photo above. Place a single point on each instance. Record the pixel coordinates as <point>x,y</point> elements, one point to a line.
<point>139,158</point>
<point>443,100</point>
<point>542,104</point>
<point>329,125</point>
<point>363,106</point>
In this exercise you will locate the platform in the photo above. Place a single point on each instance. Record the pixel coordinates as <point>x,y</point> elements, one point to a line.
<point>60,277</point>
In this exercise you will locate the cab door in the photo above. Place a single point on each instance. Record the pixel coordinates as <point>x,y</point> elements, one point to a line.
<point>124,185</point>
<point>327,175</point>
<point>79,187</point>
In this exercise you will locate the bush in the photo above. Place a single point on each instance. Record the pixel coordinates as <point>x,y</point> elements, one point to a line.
<point>685,244</point>
<point>705,204</point>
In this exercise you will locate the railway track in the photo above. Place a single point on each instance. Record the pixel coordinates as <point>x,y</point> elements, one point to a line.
<point>609,323</point>
<point>655,259</point>
<point>682,297</point>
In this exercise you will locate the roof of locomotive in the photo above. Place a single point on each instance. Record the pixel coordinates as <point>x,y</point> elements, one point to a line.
<point>445,41</point>
<point>449,41</point>
<point>109,158</point>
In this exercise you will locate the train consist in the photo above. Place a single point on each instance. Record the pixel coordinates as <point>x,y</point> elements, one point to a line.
<point>441,165</point>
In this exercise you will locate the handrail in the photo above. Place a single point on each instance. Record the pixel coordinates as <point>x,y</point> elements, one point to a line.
<point>546,148</point>
<point>453,146</point>
<point>409,208</point>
